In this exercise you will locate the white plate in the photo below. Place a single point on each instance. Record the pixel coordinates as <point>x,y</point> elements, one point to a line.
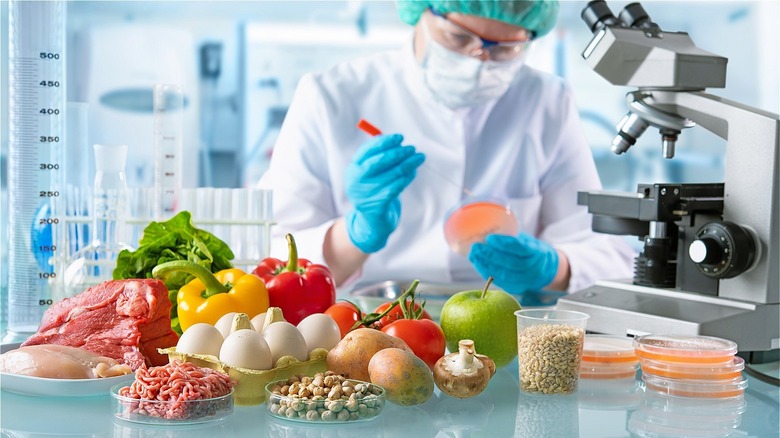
<point>40,386</point>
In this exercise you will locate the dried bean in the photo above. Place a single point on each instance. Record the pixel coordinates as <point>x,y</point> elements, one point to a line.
<point>324,397</point>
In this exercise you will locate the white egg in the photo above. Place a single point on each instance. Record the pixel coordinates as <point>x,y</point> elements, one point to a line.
<point>284,339</point>
<point>320,331</point>
<point>225,323</point>
<point>247,349</point>
<point>258,321</point>
<point>200,338</point>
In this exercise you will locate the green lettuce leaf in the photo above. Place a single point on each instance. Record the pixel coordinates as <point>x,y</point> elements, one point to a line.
<point>174,239</point>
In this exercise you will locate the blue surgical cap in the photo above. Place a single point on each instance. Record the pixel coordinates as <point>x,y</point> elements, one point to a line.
<point>537,16</point>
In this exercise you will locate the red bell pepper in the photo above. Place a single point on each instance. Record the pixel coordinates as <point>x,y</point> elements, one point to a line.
<point>298,286</point>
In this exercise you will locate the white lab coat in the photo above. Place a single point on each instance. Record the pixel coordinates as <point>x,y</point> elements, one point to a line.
<point>526,147</point>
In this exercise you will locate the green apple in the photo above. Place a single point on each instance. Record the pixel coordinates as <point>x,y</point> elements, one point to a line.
<point>485,316</point>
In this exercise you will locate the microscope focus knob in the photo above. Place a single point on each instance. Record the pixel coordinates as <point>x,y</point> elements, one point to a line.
<point>706,250</point>
<point>722,250</point>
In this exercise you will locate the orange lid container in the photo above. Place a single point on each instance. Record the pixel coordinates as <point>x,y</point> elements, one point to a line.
<point>702,371</point>
<point>609,350</point>
<point>690,349</point>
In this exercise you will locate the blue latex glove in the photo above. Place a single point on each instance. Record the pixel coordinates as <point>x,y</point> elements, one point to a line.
<point>379,172</point>
<point>517,264</point>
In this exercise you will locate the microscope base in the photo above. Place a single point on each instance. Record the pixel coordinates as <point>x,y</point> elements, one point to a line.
<point>620,308</point>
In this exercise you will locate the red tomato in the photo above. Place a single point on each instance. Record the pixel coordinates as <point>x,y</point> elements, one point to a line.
<point>345,314</point>
<point>396,313</point>
<point>424,337</point>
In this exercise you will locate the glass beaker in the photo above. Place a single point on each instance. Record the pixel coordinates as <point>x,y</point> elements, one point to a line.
<point>95,263</point>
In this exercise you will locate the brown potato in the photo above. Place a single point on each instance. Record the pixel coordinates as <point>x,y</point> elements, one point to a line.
<point>351,355</point>
<point>406,378</point>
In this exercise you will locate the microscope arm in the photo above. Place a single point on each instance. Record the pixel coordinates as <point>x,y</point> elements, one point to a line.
<point>750,179</point>
<point>715,113</point>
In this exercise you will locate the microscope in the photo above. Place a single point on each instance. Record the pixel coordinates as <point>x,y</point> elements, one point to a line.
<point>710,262</point>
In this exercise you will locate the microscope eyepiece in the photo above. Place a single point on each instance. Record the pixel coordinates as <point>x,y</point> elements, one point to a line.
<point>635,16</point>
<point>598,15</point>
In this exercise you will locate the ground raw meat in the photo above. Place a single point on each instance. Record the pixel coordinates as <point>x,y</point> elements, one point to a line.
<point>126,320</point>
<point>172,391</point>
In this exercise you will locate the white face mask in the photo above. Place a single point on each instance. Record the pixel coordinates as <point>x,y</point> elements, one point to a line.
<point>458,80</point>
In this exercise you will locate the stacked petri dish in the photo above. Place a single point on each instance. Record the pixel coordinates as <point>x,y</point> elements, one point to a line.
<point>663,415</point>
<point>691,366</point>
<point>608,357</point>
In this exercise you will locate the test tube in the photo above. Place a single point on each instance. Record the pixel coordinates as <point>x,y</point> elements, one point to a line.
<point>239,238</point>
<point>259,212</point>
<point>78,193</point>
<point>205,212</point>
<point>223,210</point>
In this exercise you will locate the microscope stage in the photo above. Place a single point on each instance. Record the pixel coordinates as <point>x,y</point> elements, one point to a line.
<point>625,309</point>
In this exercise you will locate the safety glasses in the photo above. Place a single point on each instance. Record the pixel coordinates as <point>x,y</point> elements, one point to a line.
<point>459,39</point>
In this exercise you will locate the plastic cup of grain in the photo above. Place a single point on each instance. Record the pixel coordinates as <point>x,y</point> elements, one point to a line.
<point>549,349</point>
<point>472,219</point>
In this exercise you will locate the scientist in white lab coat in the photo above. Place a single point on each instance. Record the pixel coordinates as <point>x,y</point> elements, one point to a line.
<point>458,99</point>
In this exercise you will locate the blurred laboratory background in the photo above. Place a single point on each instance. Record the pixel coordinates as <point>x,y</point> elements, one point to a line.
<point>237,64</point>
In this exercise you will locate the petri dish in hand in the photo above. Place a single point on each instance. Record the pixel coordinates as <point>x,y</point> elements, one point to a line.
<point>472,219</point>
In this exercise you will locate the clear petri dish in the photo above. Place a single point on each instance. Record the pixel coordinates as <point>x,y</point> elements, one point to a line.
<point>609,349</point>
<point>712,407</point>
<point>598,370</point>
<point>326,411</point>
<point>645,424</point>
<point>170,412</point>
<point>697,371</point>
<point>612,394</point>
<point>692,421</point>
<point>695,388</point>
<point>472,219</point>
<point>685,348</point>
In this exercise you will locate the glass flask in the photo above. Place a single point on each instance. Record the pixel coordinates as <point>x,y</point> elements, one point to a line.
<point>95,263</point>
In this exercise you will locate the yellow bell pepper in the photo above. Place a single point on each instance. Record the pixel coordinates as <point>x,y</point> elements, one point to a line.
<point>209,296</point>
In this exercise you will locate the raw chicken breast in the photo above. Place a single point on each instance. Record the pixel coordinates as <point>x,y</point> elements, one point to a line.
<point>60,362</point>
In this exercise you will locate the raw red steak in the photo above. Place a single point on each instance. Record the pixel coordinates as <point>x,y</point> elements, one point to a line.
<point>126,320</point>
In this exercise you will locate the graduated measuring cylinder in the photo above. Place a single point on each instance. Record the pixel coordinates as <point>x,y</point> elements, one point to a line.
<point>37,123</point>
<point>168,102</point>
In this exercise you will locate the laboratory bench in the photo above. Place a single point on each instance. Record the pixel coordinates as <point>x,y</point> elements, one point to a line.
<point>599,408</point>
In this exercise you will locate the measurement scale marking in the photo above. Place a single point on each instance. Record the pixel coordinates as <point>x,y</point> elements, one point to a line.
<point>30,284</point>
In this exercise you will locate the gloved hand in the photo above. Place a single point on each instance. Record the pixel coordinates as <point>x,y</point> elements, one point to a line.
<point>379,172</point>
<point>517,264</point>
